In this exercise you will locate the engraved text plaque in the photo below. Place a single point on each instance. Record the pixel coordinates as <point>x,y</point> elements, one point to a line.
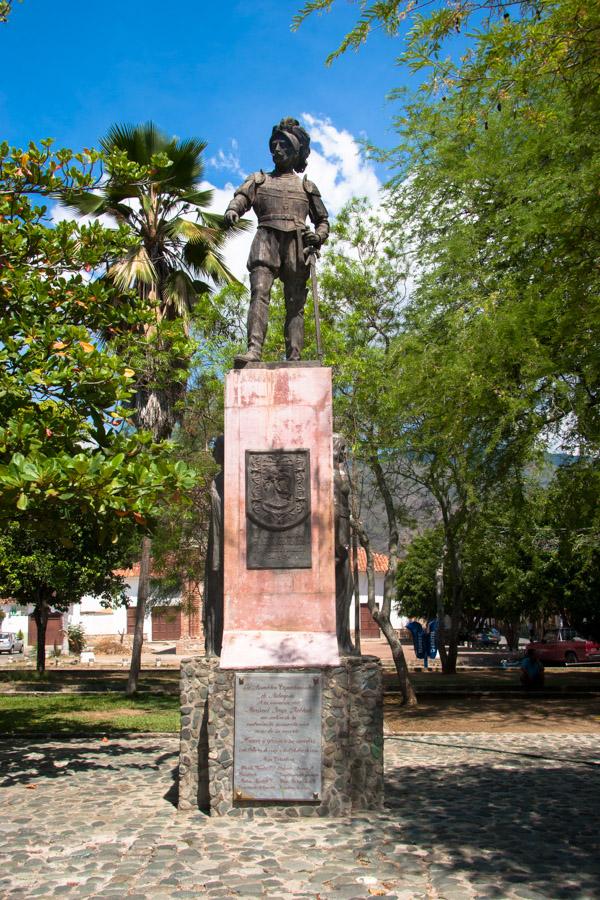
<point>278,532</point>
<point>277,751</point>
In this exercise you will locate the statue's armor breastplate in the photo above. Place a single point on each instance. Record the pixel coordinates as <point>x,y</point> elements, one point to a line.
<point>281,202</point>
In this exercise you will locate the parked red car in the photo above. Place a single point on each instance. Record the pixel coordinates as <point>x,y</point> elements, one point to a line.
<point>564,645</point>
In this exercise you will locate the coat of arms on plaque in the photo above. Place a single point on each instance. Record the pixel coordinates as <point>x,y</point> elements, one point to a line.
<point>278,509</point>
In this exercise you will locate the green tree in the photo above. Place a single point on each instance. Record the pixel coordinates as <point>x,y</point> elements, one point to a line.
<point>494,186</point>
<point>153,187</point>
<point>362,286</point>
<point>67,453</point>
<point>54,573</point>
<point>180,539</point>
<point>428,429</point>
<point>570,537</point>
<point>495,193</point>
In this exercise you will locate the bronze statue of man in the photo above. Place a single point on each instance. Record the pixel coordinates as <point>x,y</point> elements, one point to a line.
<point>282,202</point>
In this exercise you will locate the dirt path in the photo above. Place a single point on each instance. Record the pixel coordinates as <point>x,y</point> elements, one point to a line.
<point>494,714</point>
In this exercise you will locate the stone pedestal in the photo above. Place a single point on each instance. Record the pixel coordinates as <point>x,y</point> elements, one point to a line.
<point>351,740</point>
<point>279,573</point>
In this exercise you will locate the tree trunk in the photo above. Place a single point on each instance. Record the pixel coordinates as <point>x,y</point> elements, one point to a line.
<point>355,572</point>
<point>140,614</point>
<point>40,615</point>
<point>441,612</point>
<point>356,576</point>
<point>409,698</point>
<point>449,647</point>
<point>382,617</point>
<point>511,629</point>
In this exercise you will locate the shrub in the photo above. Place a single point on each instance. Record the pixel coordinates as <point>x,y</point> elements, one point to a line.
<point>76,636</point>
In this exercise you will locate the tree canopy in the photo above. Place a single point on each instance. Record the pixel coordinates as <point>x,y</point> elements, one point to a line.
<point>492,207</point>
<point>69,459</point>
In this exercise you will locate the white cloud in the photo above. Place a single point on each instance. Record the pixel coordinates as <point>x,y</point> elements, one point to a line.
<point>339,168</point>
<point>336,164</point>
<point>228,160</point>
<point>60,213</point>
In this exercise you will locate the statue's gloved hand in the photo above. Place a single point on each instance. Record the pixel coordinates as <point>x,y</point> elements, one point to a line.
<point>311,241</point>
<point>231,217</point>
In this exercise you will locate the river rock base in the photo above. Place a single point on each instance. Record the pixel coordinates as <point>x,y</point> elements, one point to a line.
<point>351,740</point>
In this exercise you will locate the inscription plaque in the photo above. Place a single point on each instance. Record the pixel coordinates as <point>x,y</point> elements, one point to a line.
<point>278,530</point>
<point>277,746</point>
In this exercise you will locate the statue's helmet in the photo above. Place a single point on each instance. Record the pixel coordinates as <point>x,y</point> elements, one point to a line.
<point>297,136</point>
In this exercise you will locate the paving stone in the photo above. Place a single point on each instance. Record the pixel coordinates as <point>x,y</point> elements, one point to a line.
<point>502,821</point>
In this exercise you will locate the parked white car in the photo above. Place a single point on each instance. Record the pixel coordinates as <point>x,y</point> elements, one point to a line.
<point>9,643</point>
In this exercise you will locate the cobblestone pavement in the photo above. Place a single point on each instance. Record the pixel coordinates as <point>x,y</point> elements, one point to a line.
<point>469,816</point>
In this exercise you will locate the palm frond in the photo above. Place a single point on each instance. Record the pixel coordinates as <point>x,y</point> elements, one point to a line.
<point>207,261</point>
<point>139,142</point>
<point>187,166</point>
<point>192,231</point>
<point>181,293</point>
<point>217,221</point>
<point>136,266</point>
<point>86,204</point>
<point>197,198</point>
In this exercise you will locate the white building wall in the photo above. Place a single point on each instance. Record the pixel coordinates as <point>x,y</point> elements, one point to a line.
<point>16,620</point>
<point>397,620</point>
<point>98,620</point>
<point>95,619</point>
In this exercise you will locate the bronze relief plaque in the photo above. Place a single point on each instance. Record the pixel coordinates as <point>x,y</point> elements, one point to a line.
<point>278,529</point>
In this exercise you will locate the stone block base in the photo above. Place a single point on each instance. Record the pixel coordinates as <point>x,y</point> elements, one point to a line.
<point>351,739</point>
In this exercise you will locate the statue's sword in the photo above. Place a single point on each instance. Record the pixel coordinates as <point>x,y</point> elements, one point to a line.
<point>315,294</point>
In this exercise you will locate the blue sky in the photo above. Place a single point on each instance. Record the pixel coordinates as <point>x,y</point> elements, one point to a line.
<point>223,71</point>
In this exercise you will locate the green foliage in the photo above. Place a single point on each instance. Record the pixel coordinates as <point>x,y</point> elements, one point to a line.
<point>76,637</point>
<point>153,185</point>
<point>428,29</point>
<point>6,9</point>
<point>154,190</point>
<point>58,571</point>
<point>76,482</point>
<point>495,194</point>
<point>572,520</point>
<point>64,440</point>
<point>417,575</point>
<point>531,552</point>
<point>505,212</point>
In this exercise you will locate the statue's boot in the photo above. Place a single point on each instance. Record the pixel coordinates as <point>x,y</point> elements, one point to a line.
<point>295,298</point>
<point>251,355</point>
<point>261,281</point>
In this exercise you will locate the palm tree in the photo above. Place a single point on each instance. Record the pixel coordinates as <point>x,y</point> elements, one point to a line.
<point>154,188</point>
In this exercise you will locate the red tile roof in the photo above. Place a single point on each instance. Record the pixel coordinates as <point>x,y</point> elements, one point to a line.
<point>380,561</point>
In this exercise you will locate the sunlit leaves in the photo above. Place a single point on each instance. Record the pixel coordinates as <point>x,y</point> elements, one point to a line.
<point>65,447</point>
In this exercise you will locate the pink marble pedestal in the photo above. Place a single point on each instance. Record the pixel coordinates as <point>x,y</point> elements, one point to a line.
<point>273,616</point>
